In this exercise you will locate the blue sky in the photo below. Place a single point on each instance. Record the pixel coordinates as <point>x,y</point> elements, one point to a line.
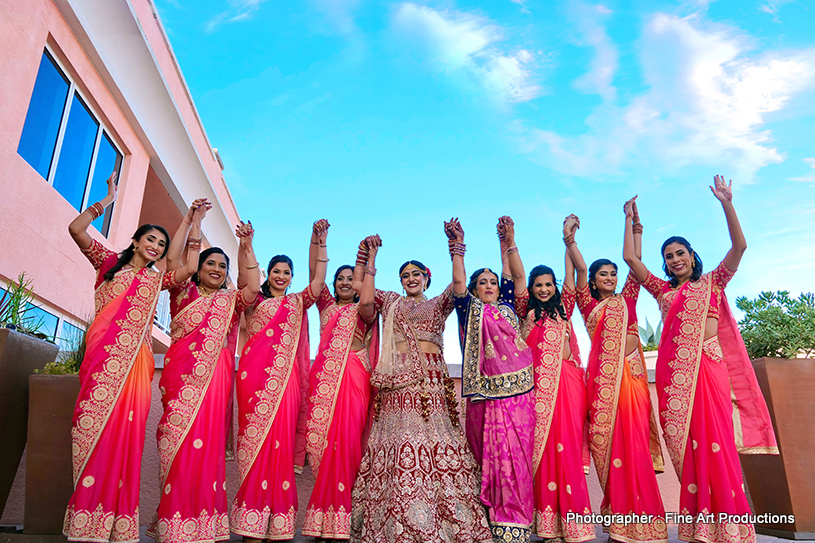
<point>389,117</point>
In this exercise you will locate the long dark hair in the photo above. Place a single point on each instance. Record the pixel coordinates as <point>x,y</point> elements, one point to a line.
<point>203,258</point>
<point>419,265</point>
<point>696,271</point>
<point>277,259</point>
<point>552,308</point>
<point>334,284</point>
<point>474,279</point>
<point>593,269</point>
<point>127,254</point>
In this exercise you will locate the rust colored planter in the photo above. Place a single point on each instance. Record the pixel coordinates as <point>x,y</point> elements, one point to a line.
<point>48,475</point>
<point>785,484</point>
<point>20,355</point>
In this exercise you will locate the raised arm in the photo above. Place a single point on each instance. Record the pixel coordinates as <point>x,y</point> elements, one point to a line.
<point>248,270</point>
<point>175,254</point>
<point>506,227</point>
<point>193,246</point>
<point>314,248</point>
<point>321,263</point>
<point>636,226</point>
<point>79,226</point>
<point>724,193</point>
<point>574,258</point>
<point>630,254</point>
<point>367,293</point>
<point>455,241</point>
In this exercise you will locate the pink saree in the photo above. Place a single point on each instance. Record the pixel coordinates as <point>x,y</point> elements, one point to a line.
<point>622,430</point>
<point>704,431</point>
<point>560,453</point>
<point>272,380</point>
<point>497,380</point>
<point>114,400</point>
<point>339,397</point>
<point>196,388</point>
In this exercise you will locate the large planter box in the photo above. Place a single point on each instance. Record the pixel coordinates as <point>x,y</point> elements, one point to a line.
<point>785,484</point>
<point>20,355</point>
<point>48,474</point>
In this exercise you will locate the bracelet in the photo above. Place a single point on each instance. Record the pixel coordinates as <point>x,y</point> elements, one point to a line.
<point>323,259</point>
<point>569,240</point>
<point>512,249</point>
<point>370,271</point>
<point>323,245</point>
<point>637,227</point>
<point>252,267</point>
<point>194,246</point>
<point>456,248</point>
<point>96,210</point>
<point>186,221</point>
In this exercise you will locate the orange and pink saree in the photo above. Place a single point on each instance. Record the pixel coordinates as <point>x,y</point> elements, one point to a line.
<point>560,455</point>
<point>196,389</point>
<point>114,400</point>
<point>622,429</point>
<point>704,430</point>
<point>339,399</point>
<point>272,381</point>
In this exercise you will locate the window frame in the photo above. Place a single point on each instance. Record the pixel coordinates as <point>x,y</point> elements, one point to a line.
<point>101,131</point>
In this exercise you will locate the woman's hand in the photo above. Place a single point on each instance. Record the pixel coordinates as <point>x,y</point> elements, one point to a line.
<point>721,190</point>
<point>570,225</point>
<point>630,209</point>
<point>454,230</point>
<point>373,243</point>
<point>199,210</point>
<point>113,188</point>
<point>245,233</point>
<point>506,231</point>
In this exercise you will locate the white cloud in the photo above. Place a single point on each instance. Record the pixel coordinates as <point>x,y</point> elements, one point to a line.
<point>810,177</point>
<point>588,20</point>
<point>464,43</point>
<point>239,10</point>
<point>339,14</point>
<point>773,7</point>
<point>706,103</point>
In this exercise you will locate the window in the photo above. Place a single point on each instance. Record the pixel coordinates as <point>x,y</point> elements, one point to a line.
<point>65,143</point>
<point>66,335</point>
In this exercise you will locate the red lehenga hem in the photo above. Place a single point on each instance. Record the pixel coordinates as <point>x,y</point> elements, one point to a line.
<point>83,525</point>
<point>263,524</point>
<point>550,525</point>
<point>327,524</point>
<point>190,530</point>
<point>714,532</point>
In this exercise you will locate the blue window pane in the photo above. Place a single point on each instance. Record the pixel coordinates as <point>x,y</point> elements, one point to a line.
<point>108,160</point>
<point>76,153</point>
<point>69,337</point>
<point>37,315</point>
<point>44,115</point>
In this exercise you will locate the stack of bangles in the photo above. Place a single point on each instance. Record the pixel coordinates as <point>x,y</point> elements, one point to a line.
<point>194,244</point>
<point>569,240</point>
<point>96,210</point>
<point>370,271</point>
<point>637,227</point>
<point>362,255</point>
<point>513,249</point>
<point>456,247</point>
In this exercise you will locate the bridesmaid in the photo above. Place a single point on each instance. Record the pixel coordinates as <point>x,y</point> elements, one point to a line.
<point>114,397</point>
<point>561,454</point>
<point>271,388</point>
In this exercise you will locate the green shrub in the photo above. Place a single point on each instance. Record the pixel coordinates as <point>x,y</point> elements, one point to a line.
<point>775,324</point>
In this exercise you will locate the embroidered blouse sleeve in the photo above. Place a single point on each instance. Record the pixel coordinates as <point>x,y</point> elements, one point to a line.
<point>308,297</point>
<point>722,275</point>
<point>380,297</point>
<point>567,298</point>
<point>522,304</point>
<point>241,303</point>
<point>461,302</point>
<point>99,255</point>
<point>180,296</point>
<point>585,301</point>
<point>444,302</point>
<point>506,295</point>
<point>631,289</point>
<point>655,285</point>
<point>324,299</point>
<point>169,281</point>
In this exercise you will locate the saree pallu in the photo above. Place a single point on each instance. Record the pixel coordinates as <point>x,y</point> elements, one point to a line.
<point>498,378</point>
<point>710,406</point>
<point>271,376</point>
<point>196,386</point>
<point>561,453</point>
<point>418,480</point>
<point>111,410</point>
<point>622,430</point>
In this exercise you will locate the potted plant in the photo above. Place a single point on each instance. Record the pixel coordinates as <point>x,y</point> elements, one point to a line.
<point>52,394</point>
<point>779,333</point>
<point>650,343</point>
<point>22,350</point>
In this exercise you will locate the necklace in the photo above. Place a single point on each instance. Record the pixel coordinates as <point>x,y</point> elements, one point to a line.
<point>204,292</point>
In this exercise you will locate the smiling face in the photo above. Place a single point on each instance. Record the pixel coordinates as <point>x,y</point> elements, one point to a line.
<point>487,287</point>
<point>151,245</point>
<point>279,278</point>
<point>543,287</point>
<point>605,280</point>
<point>679,261</point>
<point>413,281</point>
<point>342,286</point>
<point>212,273</point>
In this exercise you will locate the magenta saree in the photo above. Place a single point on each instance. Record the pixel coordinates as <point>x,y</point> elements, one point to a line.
<point>339,397</point>
<point>622,431</point>
<point>114,400</point>
<point>196,388</point>
<point>272,381</point>
<point>497,380</point>
<point>561,452</point>
<point>704,431</point>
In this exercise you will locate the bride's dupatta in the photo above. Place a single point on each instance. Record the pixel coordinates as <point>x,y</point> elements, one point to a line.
<point>394,371</point>
<point>678,368</point>
<point>607,327</point>
<point>329,371</point>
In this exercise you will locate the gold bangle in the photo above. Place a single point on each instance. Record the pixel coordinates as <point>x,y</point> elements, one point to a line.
<point>251,267</point>
<point>323,259</point>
